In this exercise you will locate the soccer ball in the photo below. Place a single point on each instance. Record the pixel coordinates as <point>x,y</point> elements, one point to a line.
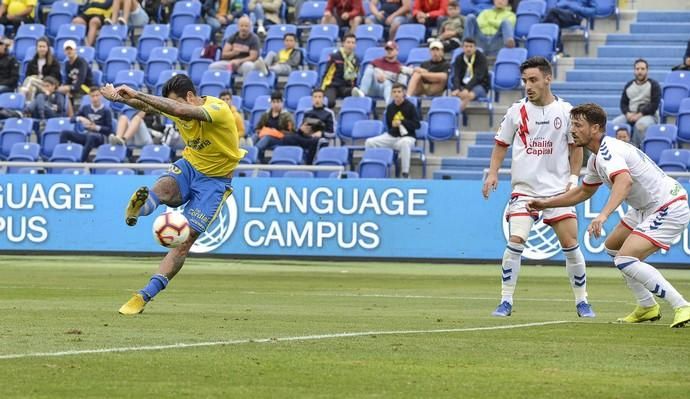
<point>170,229</point>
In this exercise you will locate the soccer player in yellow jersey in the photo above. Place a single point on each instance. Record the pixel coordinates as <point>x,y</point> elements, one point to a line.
<point>200,179</point>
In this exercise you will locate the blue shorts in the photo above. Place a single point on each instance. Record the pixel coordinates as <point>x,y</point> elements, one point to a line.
<point>202,195</point>
<point>479,91</point>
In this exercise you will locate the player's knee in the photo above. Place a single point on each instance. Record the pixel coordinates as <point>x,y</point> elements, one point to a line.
<point>611,252</point>
<point>167,191</point>
<point>623,262</point>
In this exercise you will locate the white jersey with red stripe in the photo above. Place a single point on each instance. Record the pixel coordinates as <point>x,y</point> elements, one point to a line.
<point>540,137</point>
<point>651,187</point>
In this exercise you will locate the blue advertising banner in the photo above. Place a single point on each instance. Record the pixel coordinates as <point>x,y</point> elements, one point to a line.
<point>397,219</point>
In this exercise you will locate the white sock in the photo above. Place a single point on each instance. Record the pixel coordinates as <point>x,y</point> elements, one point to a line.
<point>575,267</point>
<point>650,278</point>
<point>510,269</point>
<point>642,295</point>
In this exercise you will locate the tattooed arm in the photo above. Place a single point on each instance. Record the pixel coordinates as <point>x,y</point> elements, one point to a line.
<point>109,92</point>
<point>164,105</point>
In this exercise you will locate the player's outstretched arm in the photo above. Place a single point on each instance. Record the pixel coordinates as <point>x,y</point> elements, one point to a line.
<point>164,105</point>
<point>569,198</point>
<point>619,192</point>
<point>110,93</point>
<point>497,156</point>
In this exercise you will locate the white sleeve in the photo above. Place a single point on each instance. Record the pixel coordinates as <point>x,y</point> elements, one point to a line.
<point>612,162</point>
<point>591,177</point>
<point>506,132</point>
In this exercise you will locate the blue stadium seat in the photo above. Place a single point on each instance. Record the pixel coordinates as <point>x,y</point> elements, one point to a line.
<point>97,78</point>
<point>120,171</point>
<point>163,77</point>
<point>197,67</point>
<point>606,8</point>
<point>418,55</point>
<point>274,37</point>
<point>237,102</point>
<point>109,37</point>
<point>542,40</point>
<point>154,153</point>
<point>51,134</point>
<point>347,174</point>
<point>422,135</point>
<point>683,121</point>
<point>286,155</point>
<point>120,58</point>
<point>15,130</point>
<point>353,109</point>
<point>408,37</point>
<point>66,152</point>
<point>68,32</point>
<point>28,56</point>
<point>364,129</point>
<point>376,163</point>
<point>261,105</point>
<point>367,36</point>
<point>29,171</point>
<point>303,105</point>
<point>13,101</point>
<point>20,125</point>
<point>676,87</point>
<point>311,11</point>
<point>370,55</point>
<point>320,37</point>
<point>507,74</point>
<point>61,13</point>
<point>26,36</point>
<point>299,84</point>
<point>299,174</point>
<point>674,160</point>
<point>529,12</point>
<point>184,13</point>
<point>612,128</point>
<point>23,152</point>
<point>443,120</point>
<point>658,138</point>
<point>331,156</point>
<point>161,59</point>
<point>153,36</point>
<point>193,37</point>
<point>323,61</point>
<point>71,171</point>
<point>256,84</point>
<point>252,155</point>
<point>213,82</point>
<point>230,30</point>
<point>87,53</point>
<point>131,78</point>
<point>107,153</point>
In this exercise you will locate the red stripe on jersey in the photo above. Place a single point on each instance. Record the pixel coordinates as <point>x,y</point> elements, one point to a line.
<point>584,183</point>
<point>523,129</point>
<point>650,239</point>
<point>502,144</point>
<point>616,173</point>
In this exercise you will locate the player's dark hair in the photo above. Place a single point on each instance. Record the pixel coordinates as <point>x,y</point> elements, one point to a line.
<point>398,85</point>
<point>592,113</point>
<point>642,60</point>
<point>540,63</point>
<point>179,84</point>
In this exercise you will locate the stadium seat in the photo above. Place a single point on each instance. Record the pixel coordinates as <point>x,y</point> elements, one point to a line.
<point>26,36</point>
<point>347,174</point>
<point>68,32</point>
<point>184,13</point>
<point>323,61</point>
<point>256,84</point>
<point>120,58</point>
<point>303,174</point>
<point>659,138</point>
<point>507,74</point>
<point>353,109</point>
<point>120,171</point>
<point>422,134</point>
<point>107,153</point>
<point>261,105</point>
<point>154,153</point>
<point>51,134</point>
<point>213,82</point>
<point>252,155</point>
<point>331,156</point>
<point>23,152</point>
<point>274,37</point>
<point>109,37</point>
<point>299,84</point>
<point>161,59</point>
<point>364,129</point>
<point>163,77</point>
<point>71,171</point>
<point>320,37</point>
<point>29,171</point>
<point>529,12</point>
<point>87,53</point>
<point>542,40</point>
<point>131,78</point>
<point>606,8</point>
<point>97,78</point>
<point>286,155</point>
<point>153,36</point>
<point>230,30</point>
<point>443,120</point>
<point>683,121</point>
<point>367,36</point>
<point>197,67</point>
<point>13,101</point>
<point>303,105</point>
<point>408,37</point>
<point>311,12</point>
<point>376,163</point>
<point>20,125</point>
<point>676,87</point>
<point>674,160</point>
<point>611,128</point>
<point>418,55</point>
<point>370,55</point>
<point>237,102</point>
<point>193,37</point>
<point>61,13</point>
<point>66,152</point>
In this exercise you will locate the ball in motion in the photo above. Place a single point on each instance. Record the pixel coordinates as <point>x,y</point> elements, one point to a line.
<point>170,229</point>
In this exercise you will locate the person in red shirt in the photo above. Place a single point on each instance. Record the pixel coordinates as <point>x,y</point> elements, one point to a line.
<point>344,13</point>
<point>427,12</point>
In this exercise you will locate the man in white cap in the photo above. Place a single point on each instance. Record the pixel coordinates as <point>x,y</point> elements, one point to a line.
<point>430,78</point>
<point>77,71</point>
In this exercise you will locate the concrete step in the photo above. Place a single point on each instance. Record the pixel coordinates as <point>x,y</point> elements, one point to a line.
<point>663,16</point>
<point>483,150</point>
<point>610,75</point>
<point>623,63</point>
<point>610,101</point>
<point>655,27</point>
<point>587,87</point>
<point>641,51</point>
<point>470,163</point>
<point>647,39</point>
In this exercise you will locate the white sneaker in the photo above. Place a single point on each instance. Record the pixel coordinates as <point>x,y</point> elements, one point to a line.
<point>115,140</point>
<point>357,92</point>
<point>261,31</point>
<point>260,66</point>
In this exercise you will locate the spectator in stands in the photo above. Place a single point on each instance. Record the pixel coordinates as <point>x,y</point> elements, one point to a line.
<point>493,28</point>
<point>284,61</point>
<point>427,12</point>
<point>569,13</point>
<point>240,51</point>
<point>685,66</point>
<point>622,134</point>
<point>215,13</point>
<point>317,124</point>
<point>344,13</point>
<point>402,121</point>
<point>133,14</point>
<point>77,72</point>
<point>264,12</point>
<point>43,64</point>
<point>431,78</point>
<point>131,129</point>
<point>452,28</point>
<point>15,12</point>
<point>391,14</point>
<point>471,74</point>
<point>9,67</point>
<point>639,102</point>
<point>94,124</point>
<point>341,72</point>
<point>226,96</point>
<point>380,74</point>
<point>48,102</point>
<point>273,126</point>
<point>94,14</point>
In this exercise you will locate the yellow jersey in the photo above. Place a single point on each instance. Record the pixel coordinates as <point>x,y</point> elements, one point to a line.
<point>15,7</point>
<point>211,147</point>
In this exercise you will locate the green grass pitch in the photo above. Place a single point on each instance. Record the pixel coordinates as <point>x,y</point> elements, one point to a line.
<point>270,329</point>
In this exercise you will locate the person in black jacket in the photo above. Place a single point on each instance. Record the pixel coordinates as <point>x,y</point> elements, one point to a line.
<point>94,124</point>
<point>402,121</point>
<point>9,67</point>
<point>341,73</point>
<point>640,102</point>
<point>470,74</point>
<point>316,124</point>
<point>685,66</point>
<point>43,64</point>
<point>77,72</point>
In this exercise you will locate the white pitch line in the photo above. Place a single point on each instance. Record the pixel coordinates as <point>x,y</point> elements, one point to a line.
<point>272,340</point>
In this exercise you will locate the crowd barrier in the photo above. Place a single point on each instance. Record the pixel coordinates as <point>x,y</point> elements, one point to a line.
<point>356,218</point>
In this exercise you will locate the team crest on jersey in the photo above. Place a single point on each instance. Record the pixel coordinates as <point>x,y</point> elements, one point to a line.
<point>174,170</point>
<point>216,107</point>
<point>557,123</point>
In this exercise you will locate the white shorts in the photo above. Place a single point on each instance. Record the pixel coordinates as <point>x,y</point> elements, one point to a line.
<point>518,207</point>
<point>660,226</point>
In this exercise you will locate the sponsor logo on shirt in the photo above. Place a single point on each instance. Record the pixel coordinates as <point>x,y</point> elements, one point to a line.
<point>540,146</point>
